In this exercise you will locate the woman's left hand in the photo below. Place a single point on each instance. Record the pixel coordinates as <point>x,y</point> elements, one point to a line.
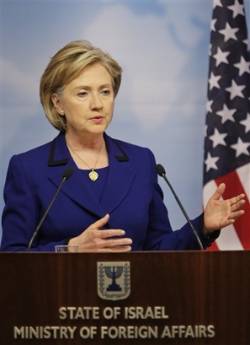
<point>220,213</point>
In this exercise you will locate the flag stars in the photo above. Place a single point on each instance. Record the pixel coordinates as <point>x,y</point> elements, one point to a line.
<point>241,147</point>
<point>243,66</point>
<point>226,114</point>
<point>246,123</point>
<point>229,32</point>
<point>218,138</point>
<point>210,162</point>
<point>213,21</point>
<point>209,106</point>
<point>214,81</point>
<point>237,9</point>
<point>247,43</point>
<point>235,90</point>
<point>217,3</point>
<point>227,139</point>
<point>205,130</point>
<point>210,49</point>
<point>221,56</point>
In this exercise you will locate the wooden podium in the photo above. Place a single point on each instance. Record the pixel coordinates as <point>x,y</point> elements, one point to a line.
<point>149,298</point>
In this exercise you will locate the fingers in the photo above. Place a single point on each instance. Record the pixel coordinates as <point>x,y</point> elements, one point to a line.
<point>100,222</point>
<point>233,217</point>
<point>107,233</point>
<point>103,240</point>
<point>100,243</point>
<point>118,242</point>
<point>97,239</point>
<point>221,212</point>
<point>219,191</point>
<point>237,199</point>
<point>114,245</point>
<point>236,214</point>
<point>121,249</point>
<point>237,204</point>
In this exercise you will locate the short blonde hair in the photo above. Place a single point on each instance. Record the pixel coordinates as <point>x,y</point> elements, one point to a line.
<point>65,66</point>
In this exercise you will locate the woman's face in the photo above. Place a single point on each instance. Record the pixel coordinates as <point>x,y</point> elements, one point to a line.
<point>87,102</point>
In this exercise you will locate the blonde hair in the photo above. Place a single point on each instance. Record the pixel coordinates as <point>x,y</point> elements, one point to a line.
<point>65,66</point>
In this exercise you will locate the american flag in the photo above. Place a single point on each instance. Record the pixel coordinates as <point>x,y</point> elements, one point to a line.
<point>227,141</point>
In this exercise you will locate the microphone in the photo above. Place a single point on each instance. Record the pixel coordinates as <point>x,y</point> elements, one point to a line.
<point>161,172</point>
<point>68,172</point>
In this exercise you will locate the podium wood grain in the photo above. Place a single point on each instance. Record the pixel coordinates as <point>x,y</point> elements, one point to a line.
<point>195,288</point>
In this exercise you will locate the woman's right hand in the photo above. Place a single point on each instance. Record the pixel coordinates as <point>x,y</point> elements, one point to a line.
<point>96,239</point>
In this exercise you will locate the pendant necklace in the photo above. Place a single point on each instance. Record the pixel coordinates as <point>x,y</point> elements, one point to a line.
<point>93,174</point>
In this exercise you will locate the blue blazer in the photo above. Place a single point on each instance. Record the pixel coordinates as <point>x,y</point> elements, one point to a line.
<point>131,196</point>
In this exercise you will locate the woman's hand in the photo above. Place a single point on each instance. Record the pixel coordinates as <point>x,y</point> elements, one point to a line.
<point>220,213</point>
<point>96,239</point>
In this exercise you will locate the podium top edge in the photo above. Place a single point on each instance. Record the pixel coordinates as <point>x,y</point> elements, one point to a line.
<point>134,253</point>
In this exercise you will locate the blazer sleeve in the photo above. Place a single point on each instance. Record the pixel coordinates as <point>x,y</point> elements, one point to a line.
<point>160,235</point>
<point>22,211</point>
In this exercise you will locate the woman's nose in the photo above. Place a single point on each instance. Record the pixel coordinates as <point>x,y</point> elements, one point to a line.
<point>96,102</point>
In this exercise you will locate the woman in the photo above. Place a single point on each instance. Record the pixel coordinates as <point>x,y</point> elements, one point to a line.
<point>112,202</point>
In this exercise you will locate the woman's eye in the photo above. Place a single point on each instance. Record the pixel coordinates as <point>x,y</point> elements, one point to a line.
<point>82,94</point>
<point>105,92</point>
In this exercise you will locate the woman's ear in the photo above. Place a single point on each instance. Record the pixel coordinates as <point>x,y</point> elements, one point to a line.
<point>55,98</point>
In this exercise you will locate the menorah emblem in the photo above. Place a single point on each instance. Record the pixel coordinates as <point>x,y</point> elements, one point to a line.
<point>113,279</point>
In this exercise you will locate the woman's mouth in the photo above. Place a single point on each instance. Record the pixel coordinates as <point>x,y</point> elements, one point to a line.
<point>97,119</point>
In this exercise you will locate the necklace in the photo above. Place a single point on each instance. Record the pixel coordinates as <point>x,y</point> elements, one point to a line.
<point>93,174</point>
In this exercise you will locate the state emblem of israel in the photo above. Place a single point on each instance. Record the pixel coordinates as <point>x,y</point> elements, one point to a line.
<point>113,280</point>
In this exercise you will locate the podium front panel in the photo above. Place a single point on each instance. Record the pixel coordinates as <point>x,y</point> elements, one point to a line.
<point>137,298</point>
